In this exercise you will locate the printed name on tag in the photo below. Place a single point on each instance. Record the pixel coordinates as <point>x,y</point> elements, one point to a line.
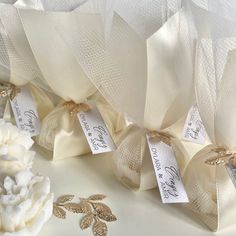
<point>167,172</point>
<point>231,169</point>
<point>25,112</point>
<point>96,132</point>
<point>194,130</point>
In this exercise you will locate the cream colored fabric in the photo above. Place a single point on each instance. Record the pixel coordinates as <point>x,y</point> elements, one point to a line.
<point>43,102</point>
<point>132,163</point>
<point>64,73</point>
<point>56,61</point>
<point>62,132</point>
<point>210,189</point>
<point>17,62</point>
<point>169,83</point>
<point>170,69</point>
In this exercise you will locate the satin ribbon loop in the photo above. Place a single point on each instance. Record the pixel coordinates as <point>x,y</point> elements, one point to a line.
<point>8,90</point>
<point>222,157</point>
<point>160,137</point>
<point>75,108</point>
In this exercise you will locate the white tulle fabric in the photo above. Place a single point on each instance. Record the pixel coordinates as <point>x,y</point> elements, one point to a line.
<point>17,63</point>
<point>169,79</point>
<point>60,131</point>
<point>210,189</point>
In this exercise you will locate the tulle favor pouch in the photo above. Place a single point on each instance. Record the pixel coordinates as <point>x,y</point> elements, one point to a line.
<point>61,130</point>
<point>168,97</point>
<point>210,175</point>
<point>22,84</point>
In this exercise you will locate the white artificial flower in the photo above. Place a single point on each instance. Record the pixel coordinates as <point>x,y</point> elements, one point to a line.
<point>14,149</point>
<point>25,204</point>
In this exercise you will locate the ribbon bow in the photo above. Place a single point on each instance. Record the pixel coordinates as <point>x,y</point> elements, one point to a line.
<point>223,157</point>
<point>161,137</point>
<point>75,108</point>
<point>8,89</point>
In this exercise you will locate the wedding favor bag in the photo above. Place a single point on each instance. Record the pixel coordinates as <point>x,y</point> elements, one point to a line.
<point>152,80</point>
<point>210,175</point>
<point>61,131</point>
<point>17,64</point>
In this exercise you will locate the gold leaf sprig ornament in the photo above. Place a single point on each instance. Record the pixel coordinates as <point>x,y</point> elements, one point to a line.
<point>74,108</point>
<point>95,212</point>
<point>222,157</point>
<point>160,137</point>
<point>8,90</point>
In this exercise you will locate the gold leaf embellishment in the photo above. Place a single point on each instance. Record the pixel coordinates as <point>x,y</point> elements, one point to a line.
<point>95,212</point>
<point>160,137</point>
<point>86,221</point>
<point>101,208</point>
<point>75,108</point>
<point>222,157</point>
<point>99,228</point>
<point>97,197</point>
<point>8,89</point>
<point>59,212</point>
<point>65,198</point>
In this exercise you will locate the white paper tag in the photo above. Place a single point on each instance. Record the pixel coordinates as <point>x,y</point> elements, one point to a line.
<point>194,130</point>
<point>232,173</point>
<point>96,132</point>
<point>167,172</point>
<point>25,112</point>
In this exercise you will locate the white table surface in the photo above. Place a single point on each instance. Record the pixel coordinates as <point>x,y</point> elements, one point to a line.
<point>138,213</point>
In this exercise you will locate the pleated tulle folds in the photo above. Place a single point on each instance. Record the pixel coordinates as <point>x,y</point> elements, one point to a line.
<point>209,186</point>
<point>168,82</point>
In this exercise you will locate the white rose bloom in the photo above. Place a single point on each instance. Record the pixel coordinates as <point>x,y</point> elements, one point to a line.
<point>14,149</point>
<point>25,204</point>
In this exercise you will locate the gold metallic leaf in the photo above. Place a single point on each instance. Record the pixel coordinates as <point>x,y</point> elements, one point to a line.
<point>82,207</point>
<point>65,198</point>
<point>14,92</point>
<point>99,228</point>
<point>219,160</point>
<point>101,208</point>
<point>59,212</point>
<point>107,217</point>
<point>86,221</point>
<point>97,197</point>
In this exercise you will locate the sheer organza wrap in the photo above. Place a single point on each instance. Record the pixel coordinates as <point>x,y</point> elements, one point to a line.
<point>210,190</point>
<point>17,63</point>
<point>61,131</point>
<point>167,97</point>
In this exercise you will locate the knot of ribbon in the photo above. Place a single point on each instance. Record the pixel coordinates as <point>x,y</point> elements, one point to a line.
<point>8,90</point>
<point>160,137</point>
<point>75,108</point>
<point>222,157</point>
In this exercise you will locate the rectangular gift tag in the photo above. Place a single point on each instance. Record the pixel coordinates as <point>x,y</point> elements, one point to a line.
<point>25,111</point>
<point>194,130</point>
<point>231,169</point>
<point>96,132</point>
<point>167,172</point>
